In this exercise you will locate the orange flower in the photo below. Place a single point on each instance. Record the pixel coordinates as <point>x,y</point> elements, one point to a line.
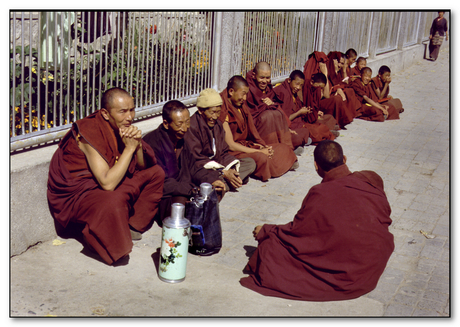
<point>170,242</point>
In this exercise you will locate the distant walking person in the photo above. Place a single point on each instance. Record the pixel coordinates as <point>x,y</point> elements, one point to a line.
<point>438,28</point>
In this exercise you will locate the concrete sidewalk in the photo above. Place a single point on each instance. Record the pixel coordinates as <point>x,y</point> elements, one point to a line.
<point>412,157</point>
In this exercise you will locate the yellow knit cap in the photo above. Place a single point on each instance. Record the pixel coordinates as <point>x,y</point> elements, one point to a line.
<point>209,98</point>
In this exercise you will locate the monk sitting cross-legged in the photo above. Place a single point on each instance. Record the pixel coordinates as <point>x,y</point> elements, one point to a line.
<point>371,109</point>
<point>173,156</point>
<point>242,137</point>
<point>338,244</point>
<point>105,178</point>
<point>270,120</point>
<point>302,116</point>
<point>206,142</point>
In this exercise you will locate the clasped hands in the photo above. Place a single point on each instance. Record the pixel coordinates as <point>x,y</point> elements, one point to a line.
<point>131,137</point>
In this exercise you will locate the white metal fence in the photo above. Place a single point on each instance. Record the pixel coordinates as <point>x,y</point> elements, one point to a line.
<point>61,62</point>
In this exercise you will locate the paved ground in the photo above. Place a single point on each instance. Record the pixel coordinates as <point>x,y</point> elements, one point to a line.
<point>411,155</point>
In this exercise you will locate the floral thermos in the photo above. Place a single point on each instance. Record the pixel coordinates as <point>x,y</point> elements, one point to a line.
<point>174,245</point>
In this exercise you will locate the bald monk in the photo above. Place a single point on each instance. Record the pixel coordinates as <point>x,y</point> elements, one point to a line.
<point>381,86</point>
<point>270,120</point>
<point>206,141</point>
<point>328,252</point>
<point>243,139</point>
<point>104,177</point>
<point>300,115</point>
<point>371,109</point>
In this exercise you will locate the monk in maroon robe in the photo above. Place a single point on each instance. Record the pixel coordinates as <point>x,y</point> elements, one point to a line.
<point>338,244</point>
<point>105,177</point>
<point>371,109</point>
<point>313,91</point>
<point>355,72</point>
<point>242,137</point>
<point>381,87</point>
<point>312,65</point>
<point>270,120</point>
<point>331,105</point>
<point>301,116</point>
<point>346,71</point>
<point>340,88</point>
<point>206,141</point>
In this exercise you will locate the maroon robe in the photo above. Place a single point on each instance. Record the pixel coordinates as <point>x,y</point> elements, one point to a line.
<point>290,104</point>
<point>311,66</point>
<point>367,111</point>
<point>199,141</point>
<point>328,252</point>
<point>271,122</point>
<point>74,194</point>
<point>351,104</point>
<point>354,72</point>
<point>245,133</point>
<point>377,83</point>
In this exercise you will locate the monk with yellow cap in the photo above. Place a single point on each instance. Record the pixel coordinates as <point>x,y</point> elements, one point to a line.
<point>206,141</point>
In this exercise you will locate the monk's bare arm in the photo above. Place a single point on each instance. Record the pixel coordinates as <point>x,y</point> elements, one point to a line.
<point>108,178</point>
<point>375,104</point>
<point>233,146</point>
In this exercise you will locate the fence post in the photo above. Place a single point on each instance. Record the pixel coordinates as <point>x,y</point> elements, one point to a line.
<point>227,50</point>
<point>375,29</point>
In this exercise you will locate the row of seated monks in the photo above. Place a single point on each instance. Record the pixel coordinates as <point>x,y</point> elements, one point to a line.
<point>113,182</point>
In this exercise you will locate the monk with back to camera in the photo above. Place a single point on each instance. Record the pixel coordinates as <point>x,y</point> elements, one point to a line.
<point>242,137</point>
<point>105,178</point>
<point>328,252</point>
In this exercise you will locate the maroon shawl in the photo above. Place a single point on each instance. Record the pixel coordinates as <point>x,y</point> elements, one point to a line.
<point>240,121</point>
<point>245,133</point>
<point>312,64</point>
<point>69,173</point>
<point>328,252</point>
<point>255,96</point>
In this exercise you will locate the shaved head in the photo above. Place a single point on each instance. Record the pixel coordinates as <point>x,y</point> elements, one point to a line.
<point>110,95</point>
<point>262,66</point>
<point>328,155</point>
<point>236,82</point>
<point>366,70</point>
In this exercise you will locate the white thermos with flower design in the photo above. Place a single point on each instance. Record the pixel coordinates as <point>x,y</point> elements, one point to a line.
<point>174,245</point>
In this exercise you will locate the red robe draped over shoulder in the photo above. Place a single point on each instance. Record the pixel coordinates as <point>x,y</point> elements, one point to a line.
<point>377,83</point>
<point>328,252</point>
<point>291,103</point>
<point>75,195</point>
<point>271,122</point>
<point>245,133</point>
<point>312,64</point>
<point>367,111</point>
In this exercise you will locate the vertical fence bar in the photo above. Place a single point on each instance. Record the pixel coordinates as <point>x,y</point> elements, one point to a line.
<point>101,55</point>
<point>13,77</point>
<point>21,60</point>
<point>60,34</point>
<point>39,56</point>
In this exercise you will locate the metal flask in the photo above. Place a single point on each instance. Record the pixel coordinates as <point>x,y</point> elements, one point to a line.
<point>174,245</point>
